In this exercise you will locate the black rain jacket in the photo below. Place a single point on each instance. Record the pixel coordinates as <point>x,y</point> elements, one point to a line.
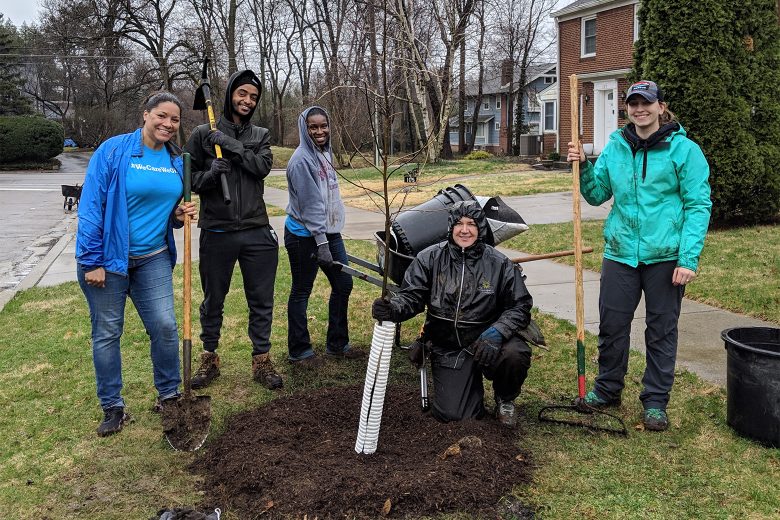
<point>466,290</point>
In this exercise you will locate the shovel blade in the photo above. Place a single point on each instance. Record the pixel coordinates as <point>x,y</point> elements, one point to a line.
<point>186,422</point>
<point>199,102</point>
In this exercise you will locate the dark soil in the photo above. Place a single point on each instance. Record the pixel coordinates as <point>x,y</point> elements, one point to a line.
<point>186,422</point>
<point>296,456</point>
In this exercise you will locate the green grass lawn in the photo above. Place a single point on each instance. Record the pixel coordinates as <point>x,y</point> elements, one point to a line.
<point>739,269</point>
<point>52,465</point>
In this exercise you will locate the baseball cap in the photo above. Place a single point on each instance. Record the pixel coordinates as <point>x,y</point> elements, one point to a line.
<point>647,89</point>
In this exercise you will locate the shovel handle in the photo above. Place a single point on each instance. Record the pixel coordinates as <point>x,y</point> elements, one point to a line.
<point>187,305</point>
<point>579,294</point>
<point>217,148</point>
<point>543,256</point>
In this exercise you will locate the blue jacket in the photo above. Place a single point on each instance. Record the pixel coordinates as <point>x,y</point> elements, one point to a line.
<point>103,237</point>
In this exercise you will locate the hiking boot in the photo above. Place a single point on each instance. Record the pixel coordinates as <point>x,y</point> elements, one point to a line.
<point>349,352</point>
<point>505,413</point>
<point>113,420</point>
<point>592,400</point>
<point>208,370</point>
<point>655,419</point>
<point>263,372</point>
<point>309,363</point>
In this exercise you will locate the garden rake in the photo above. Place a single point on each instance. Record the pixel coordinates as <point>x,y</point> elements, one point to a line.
<point>580,413</point>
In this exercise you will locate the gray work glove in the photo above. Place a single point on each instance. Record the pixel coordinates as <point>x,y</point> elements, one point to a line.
<point>219,167</point>
<point>382,310</point>
<point>487,347</point>
<point>417,352</point>
<point>324,258</point>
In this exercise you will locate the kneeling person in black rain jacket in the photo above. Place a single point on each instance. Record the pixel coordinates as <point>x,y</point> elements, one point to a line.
<point>477,302</point>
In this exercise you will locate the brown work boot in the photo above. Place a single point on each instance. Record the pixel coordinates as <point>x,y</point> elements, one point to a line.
<point>263,372</point>
<point>208,370</point>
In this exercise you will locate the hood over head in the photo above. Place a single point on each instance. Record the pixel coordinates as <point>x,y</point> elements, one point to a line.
<point>303,131</point>
<point>472,210</point>
<point>242,77</point>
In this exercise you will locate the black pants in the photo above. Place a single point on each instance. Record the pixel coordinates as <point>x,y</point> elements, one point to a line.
<point>621,290</point>
<point>304,271</point>
<point>257,253</point>
<point>457,380</point>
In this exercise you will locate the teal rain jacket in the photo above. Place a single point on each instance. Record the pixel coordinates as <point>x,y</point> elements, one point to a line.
<point>661,207</point>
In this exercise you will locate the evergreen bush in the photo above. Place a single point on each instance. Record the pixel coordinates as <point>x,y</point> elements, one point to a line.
<point>718,63</point>
<point>29,138</point>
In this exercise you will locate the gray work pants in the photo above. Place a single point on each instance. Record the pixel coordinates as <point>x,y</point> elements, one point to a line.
<point>621,289</point>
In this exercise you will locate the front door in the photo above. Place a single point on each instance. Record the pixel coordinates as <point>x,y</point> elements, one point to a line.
<point>605,113</point>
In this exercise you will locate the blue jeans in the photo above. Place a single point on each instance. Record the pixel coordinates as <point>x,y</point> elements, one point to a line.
<point>149,284</point>
<point>304,270</point>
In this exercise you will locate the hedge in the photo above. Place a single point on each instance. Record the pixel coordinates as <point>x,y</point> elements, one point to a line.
<point>29,138</point>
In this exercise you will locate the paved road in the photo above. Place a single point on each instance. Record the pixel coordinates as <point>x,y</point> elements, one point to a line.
<point>32,218</point>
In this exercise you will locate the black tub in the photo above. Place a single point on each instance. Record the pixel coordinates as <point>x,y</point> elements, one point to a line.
<point>753,382</point>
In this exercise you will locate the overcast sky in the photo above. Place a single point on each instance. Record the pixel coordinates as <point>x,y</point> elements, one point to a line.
<point>19,11</point>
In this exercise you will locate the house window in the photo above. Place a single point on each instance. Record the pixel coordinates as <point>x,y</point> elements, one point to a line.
<point>481,130</point>
<point>549,116</point>
<point>498,126</point>
<point>498,103</point>
<point>588,43</point>
<point>486,105</point>
<point>549,80</point>
<point>636,22</point>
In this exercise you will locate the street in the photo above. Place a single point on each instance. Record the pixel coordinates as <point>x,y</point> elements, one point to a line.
<point>32,217</point>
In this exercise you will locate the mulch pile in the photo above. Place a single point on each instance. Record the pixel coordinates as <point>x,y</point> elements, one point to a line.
<point>296,456</point>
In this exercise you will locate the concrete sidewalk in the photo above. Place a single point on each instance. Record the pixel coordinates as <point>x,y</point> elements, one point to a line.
<point>551,284</point>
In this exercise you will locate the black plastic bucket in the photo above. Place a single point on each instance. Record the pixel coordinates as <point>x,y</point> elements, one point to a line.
<point>427,224</point>
<point>753,382</point>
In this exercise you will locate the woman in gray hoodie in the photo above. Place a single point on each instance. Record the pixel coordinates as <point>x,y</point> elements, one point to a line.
<point>312,236</point>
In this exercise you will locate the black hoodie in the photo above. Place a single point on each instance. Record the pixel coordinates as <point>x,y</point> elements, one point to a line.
<point>249,152</point>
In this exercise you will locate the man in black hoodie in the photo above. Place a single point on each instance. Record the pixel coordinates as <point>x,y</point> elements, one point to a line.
<point>238,231</point>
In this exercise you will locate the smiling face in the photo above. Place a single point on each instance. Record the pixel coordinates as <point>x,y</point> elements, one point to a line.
<point>645,115</point>
<point>244,101</point>
<point>319,129</point>
<point>161,124</point>
<point>465,232</point>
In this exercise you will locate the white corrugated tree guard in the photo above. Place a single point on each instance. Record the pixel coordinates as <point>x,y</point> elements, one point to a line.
<point>375,386</point>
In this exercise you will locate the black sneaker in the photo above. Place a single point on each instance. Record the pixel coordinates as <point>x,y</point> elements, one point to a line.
<point>655,420</point>
<point>113,420</point>
<point>208,370</point>
<point>309,363</point>
<point>263,371</point>
<point>349,352</point>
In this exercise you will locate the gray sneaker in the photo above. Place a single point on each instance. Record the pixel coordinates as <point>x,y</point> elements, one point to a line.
<point>506,413</point>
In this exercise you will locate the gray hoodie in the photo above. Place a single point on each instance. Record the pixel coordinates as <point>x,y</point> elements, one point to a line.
<point>314,197</point>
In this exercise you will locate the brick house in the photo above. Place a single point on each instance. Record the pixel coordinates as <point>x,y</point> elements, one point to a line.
<point>596,42</point>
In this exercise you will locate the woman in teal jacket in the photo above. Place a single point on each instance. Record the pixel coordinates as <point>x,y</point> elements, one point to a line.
<point>654,234</point>
<point>124,247</point>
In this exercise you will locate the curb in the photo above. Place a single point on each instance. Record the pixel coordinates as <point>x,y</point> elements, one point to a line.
<point>40,268</point>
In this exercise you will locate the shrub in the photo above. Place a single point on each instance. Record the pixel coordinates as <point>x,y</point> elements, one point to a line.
<point>722,85</point>
<point>477,155</point>
<point>554,156</point>
<point>29,138</point>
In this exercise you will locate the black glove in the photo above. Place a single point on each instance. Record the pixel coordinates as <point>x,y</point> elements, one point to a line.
<point>487,347</point>
<point>219,167</point>
<point>382,310</point>
<point>217,138</point>
<point>417,352</point>
<point>324,258</point>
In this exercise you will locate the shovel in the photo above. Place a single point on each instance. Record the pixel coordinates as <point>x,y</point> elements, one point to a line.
<point>579,413</point>
<point>186,421</point>
<point>203,102</point>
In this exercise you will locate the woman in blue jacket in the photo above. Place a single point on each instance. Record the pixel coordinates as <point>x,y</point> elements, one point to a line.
<point>124,247</point>
<point>654,234</point>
